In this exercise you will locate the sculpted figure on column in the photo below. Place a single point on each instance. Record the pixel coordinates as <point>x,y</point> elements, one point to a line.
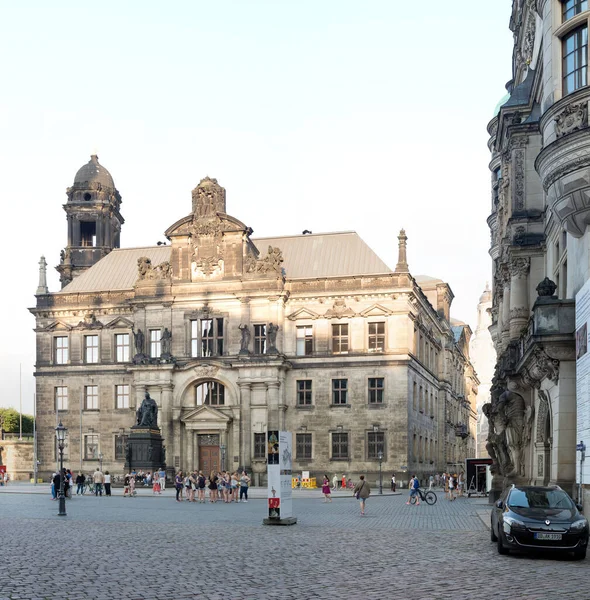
<point>513,407</point>
<point>245,341</point>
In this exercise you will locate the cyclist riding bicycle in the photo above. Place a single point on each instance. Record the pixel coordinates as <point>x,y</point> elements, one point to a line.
<point>414,485</point>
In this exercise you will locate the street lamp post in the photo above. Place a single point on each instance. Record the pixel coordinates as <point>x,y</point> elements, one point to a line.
<point>60,434</point>
<point>380,457</point>
<point>222,457</point>
<point>100,460</point>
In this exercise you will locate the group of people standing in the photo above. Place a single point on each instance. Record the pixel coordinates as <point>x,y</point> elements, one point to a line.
<point>222,487</point>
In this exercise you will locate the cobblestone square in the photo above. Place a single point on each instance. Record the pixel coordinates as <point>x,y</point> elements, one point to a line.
<point>156,548</point>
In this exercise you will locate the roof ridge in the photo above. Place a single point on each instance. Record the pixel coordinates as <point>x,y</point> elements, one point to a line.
<point>300,235</point>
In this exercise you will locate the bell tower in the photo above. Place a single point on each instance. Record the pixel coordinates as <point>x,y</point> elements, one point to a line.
<point>94,220</point>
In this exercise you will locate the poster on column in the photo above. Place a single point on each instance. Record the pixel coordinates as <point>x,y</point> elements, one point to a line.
<point>583,378</point>
<point>279,459</point>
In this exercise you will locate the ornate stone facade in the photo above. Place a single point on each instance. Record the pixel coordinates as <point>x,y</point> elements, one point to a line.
<point>540,142</point>
<point>232,336</point>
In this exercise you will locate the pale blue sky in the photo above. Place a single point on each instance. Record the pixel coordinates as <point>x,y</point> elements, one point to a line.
<point>325,115</point>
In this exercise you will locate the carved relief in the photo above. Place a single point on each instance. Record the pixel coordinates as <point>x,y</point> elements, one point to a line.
<point>206,371</point>
<point>519,267</point>
<point>147,271</point>
<point>90,322</point>
<point>572,118</point>
<point>542,416</point>
<point>518,199</point>
<point>208,198</point>
<point>339,310</point>
<point>270,263</point>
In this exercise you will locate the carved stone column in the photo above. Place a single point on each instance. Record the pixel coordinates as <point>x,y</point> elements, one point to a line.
<point>190,449</point>
<point>505,306</point>
<point>246,425</point>
<point>519,309</point>
<point>273,404</point>
<point>166,414</point>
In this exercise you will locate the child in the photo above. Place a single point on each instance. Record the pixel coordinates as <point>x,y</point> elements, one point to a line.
<point>156,489</point>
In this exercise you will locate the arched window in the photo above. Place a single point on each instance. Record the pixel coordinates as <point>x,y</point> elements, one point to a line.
<point>211,393</point>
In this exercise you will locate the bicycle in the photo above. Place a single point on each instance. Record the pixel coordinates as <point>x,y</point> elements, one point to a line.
<point>429,497</point>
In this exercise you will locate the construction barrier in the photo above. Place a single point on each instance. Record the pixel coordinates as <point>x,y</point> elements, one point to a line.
<point>309,483</point>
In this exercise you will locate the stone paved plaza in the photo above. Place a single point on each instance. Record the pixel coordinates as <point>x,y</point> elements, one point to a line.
<point>156,548</point>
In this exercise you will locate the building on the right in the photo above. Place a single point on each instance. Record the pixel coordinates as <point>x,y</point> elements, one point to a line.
<point>540,248</point>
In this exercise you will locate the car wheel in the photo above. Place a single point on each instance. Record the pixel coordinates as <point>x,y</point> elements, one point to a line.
<point>501,548</point>
<point>580,554</point>
<point>493,536</point>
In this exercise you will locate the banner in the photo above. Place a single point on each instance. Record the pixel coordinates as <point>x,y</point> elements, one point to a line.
<point>279,471</point>
<point>583,378</point>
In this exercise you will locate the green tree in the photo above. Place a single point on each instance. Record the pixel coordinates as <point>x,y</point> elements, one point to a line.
<point>11,419</point>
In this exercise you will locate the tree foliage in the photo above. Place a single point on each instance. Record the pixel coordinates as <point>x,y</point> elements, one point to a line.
<point>11,419</point>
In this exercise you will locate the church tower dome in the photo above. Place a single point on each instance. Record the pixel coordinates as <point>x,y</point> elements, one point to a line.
<point>94,220</point>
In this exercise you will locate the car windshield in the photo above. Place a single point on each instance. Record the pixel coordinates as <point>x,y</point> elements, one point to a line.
<point>538,498</point>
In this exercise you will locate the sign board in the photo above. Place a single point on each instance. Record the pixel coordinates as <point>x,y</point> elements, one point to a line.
<point>279,470</point>
<point>583,375</point>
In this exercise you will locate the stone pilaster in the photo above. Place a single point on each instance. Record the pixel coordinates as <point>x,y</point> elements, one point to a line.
<point>273,404</point>
<point>505,306</point>
<point>246,420</point>
<point>519,309</point>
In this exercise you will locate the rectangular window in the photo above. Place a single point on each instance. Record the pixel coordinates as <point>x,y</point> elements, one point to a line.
<point>90,397</point>
<point>375,444</point>
<point>303,446</point>
<point>155,343</point>
<point>121,396</point>
<point>571,8</point>
<point>61,398</point>
<point>61,348</point>
<point>259,339</point>
<point>305,340</point>
<point>91,349</point>
<point>304,392</point>
<point>575,60</point>
<point>339,391</point>
<point>340,338</point>
<point>376,337</point>
<point>122,347</point>
<point>207,337</point>
<point>120,446</point>
<point>339,445</point>
<point>376,385</point>
<point>260,445</point>
<point>91,446</point>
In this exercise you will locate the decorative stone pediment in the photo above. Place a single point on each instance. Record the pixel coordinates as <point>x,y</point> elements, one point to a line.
<point>376,311</point>
<point>58,326</point>
<point>89,322</point>
<point>303,313</point>
<point>205,417</point>
<point>119,323</point>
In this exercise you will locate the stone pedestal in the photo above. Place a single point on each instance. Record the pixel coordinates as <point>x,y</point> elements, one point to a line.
<point>144,450</point>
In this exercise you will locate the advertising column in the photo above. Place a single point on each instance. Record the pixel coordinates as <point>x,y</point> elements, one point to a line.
<point>279,458</point>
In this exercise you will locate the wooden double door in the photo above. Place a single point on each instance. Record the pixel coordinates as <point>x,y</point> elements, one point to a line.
<point>209,459</point>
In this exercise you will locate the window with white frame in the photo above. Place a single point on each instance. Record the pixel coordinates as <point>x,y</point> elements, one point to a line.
<point>207,337</point>
<point>304,340</point>
<point>259,339</point>
<point>122,396</point>
<point>61,349</point>
<point>122,347</point>
<point>90,397</point>
<point>61,397</point>
<point>91,445</point>
<point>155,343</point>
<point>91,349</point>
<point>376,337</point>
<point>340,338</point>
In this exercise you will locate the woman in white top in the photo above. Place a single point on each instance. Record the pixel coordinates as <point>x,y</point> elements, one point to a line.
<point>107,483</point>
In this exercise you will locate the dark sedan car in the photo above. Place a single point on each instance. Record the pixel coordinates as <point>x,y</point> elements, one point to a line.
<point>528,518</point>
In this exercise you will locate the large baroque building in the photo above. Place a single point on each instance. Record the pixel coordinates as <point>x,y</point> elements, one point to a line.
<point>540,164</point>
<point>233,335</point>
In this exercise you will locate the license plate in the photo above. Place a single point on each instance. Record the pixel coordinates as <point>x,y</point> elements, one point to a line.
<point>547,536</point>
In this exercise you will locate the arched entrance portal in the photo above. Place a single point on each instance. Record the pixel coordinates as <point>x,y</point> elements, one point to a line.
<point>206,428</point>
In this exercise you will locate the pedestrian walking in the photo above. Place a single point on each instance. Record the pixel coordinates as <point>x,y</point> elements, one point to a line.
<point>107,483</point>
<point>178,482</point>
<point>414,485</point>
<point>361,492</point>
<point>334,482</point>
<point>393,483</point>
<point>343,482</point>
<point>430,482</point>
<point>244,484</point>
<point>156,489</point>
<point>326,489</point>
<point>213,479</point>
<point>162,477</point>
<point>451,487</point>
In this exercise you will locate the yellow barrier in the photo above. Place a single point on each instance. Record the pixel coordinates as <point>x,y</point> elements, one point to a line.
<point>305,483</point>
